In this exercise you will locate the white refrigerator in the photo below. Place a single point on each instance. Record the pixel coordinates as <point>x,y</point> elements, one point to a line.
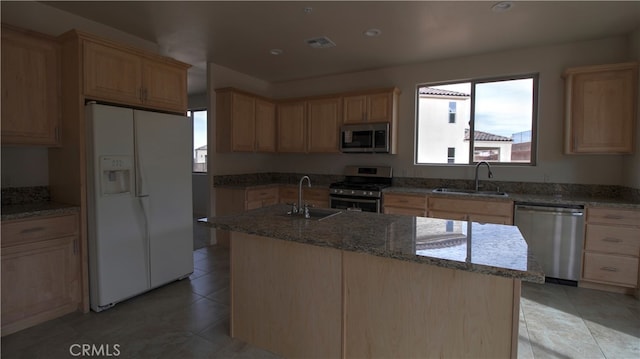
<point>140,222</point>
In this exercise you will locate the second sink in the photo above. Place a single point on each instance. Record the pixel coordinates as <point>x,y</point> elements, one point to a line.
<point>469,191</point>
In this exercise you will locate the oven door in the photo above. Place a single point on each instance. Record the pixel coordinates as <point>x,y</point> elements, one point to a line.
<point>361,204</point>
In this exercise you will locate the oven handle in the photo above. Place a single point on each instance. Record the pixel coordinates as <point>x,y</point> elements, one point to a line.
<point>353,199</point>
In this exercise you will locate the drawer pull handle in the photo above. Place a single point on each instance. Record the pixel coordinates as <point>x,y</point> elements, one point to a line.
<point>612,240</point>
<point>610,269</point>
<point>613,216</point>
<point>32,230</point>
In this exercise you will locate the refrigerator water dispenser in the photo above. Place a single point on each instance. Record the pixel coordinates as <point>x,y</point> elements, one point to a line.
<point>115,175</point>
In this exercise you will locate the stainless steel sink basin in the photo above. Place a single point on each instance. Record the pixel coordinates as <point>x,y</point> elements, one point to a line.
<point>469,191</point>
<point>317,214</point>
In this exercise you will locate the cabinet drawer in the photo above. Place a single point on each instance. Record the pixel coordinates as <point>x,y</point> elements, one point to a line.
<point>36,229</point>
<point>466,206</point>
<point>288,194</point>
<point>262,194</point>
<point>405,201</point>
<point>619,270</point>
<point>405,211</point>
<point>613,216</point>
<point>610,239</point>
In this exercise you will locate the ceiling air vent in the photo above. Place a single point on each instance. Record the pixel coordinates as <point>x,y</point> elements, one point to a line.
<point>320,42</point>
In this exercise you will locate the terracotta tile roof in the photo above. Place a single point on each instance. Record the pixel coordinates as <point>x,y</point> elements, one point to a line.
<point>439,92</point>
<point>485,136</point>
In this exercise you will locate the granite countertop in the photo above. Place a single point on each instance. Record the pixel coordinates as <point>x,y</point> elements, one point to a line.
<point>526,198</point>
<point>495,249</point>
<point>19,211</point>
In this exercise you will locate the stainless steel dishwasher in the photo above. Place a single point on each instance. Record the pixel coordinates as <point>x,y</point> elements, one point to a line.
<point>555,235</point>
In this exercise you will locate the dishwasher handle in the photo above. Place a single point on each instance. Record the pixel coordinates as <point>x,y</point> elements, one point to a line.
<point>550,210</point>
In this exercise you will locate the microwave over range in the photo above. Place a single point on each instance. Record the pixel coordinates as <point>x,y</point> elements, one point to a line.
<point>365,138</point>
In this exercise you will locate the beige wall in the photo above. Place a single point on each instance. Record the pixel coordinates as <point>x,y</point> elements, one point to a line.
<point>549,62</point>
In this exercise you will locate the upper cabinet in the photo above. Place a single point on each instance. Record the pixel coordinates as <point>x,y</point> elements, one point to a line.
<point>601,109</point>
<point>324,119</point>
<point>244,122</point>
<point>292,125</point>
<point>124,75</point>
<point>379,106</point>
<point>30,88</point>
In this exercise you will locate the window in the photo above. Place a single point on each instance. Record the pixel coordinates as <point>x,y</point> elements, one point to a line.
<point>489,120</point>
<point>451,155</point>
<point>452,111</point>
<point>199,119</point>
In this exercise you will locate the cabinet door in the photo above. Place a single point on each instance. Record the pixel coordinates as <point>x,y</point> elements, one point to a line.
<point>40,281</point>
<point>242,123</point>
<point>112,74</point>
<point>30,89</point>
<point>265,126</point>
<point>324,122</point>
<point>291,127</point>
<point>601,109</point>
<point>380,107</point>
<point>355,108</point>
<point>164,86</point>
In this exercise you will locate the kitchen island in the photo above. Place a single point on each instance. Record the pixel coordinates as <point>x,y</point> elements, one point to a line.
<point>373,285</point>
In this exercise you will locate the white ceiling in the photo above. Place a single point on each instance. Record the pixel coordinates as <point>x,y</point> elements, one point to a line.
<point>239,34</point>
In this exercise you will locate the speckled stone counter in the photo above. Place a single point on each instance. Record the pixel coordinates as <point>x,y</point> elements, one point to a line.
<point>19,211</point>
<point>529,198</point>
<point>494,250</point>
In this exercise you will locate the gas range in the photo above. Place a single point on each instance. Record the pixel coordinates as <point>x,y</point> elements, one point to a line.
<point>361,189</point>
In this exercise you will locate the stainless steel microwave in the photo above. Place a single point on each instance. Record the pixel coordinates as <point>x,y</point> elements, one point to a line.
<point>365,138</point>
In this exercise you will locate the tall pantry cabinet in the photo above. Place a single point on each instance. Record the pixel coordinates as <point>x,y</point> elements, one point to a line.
<point>97,69</point>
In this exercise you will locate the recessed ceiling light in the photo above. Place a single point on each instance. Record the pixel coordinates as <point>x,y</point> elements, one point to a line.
<point>373,32</point>
<point>275,52</point>
<point>308,10</point>
<point>502,6</point>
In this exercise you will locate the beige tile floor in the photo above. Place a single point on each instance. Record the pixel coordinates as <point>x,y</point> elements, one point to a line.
<point>190,319</point>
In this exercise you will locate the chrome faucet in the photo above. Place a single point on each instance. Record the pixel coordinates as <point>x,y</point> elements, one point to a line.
<point>490,175</point>
<point>300,201</point>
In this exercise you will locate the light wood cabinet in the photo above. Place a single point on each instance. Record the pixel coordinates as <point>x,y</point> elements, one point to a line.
<point>260,197</point>
<point>406,204</point>
<point>371,107</point>
<point>265,126</point>
<point>476,210</point>
<point>611,249</point>
<point>244,122</point>
<point>324,120</point>
<point>30,88</point>
<point>601,109</point>
<point>314,196</point>
<point>40,270</point>
<point>292,126</point>
<point>118,74</point>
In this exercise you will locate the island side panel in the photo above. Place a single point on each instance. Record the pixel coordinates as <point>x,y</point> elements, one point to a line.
<point>286,297</point>
<point>399,309</point>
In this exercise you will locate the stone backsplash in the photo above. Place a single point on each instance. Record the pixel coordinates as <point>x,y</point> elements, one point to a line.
<point>553,189</point>
<point>25,195</point>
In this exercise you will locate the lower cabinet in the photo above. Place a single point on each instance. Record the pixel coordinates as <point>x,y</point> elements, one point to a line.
<point>315,197</point>
<point>41,276</point>
<point>406,204</point>
<point>477,210</point>
<point>611,249</point>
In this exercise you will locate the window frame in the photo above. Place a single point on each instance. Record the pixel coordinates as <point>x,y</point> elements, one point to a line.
<point>535,76</point>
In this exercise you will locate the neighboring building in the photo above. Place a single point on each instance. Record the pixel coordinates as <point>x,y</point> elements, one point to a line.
<point>443,117</point>
<point>200,159</point>
<point>521,148</point>
<point>489,147</point>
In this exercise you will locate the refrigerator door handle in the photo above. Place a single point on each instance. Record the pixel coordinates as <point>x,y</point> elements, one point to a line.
<point>143,206</point>
<point>139,173</point>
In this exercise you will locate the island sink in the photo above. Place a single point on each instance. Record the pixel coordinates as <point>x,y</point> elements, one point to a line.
<point>469,191</point>
<point>317,214</point>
